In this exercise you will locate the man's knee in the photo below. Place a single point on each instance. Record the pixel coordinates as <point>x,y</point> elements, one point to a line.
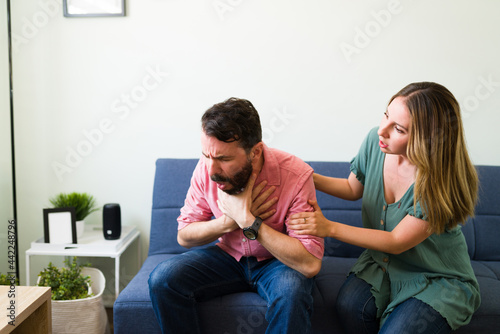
<point>292,286</point>
<point>295,281</point>
<point>164,273</point>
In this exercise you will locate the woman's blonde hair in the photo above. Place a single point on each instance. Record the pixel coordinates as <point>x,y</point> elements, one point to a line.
<point>446,182</point>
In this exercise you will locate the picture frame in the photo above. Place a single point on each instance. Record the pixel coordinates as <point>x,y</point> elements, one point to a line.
<point>59,226</point>
<point>93,8</point>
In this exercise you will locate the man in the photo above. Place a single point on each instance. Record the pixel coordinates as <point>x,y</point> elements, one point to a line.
<point>253,253</point>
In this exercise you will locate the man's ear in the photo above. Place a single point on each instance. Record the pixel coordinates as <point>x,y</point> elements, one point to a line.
<point>257,151</point>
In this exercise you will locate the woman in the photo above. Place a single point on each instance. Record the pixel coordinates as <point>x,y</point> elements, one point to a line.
<point>417,184</point>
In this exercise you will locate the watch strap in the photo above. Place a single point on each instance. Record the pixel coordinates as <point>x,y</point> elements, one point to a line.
<point>256,224</point>
<point>252,232</point>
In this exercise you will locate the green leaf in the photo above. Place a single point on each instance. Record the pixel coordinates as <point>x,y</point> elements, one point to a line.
<point>83,203</point>
<point>67,283</point>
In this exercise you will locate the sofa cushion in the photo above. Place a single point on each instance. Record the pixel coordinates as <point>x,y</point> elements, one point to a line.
<point>487,316</point>
<point>240,312</point>
<point>132,310</point>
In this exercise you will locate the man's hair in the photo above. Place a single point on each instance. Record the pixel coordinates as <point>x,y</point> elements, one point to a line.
<point>446,182</point>
<point>233,120</point>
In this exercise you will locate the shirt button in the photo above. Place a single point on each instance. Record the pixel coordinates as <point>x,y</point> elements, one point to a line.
<point>386,259</point>
<point>243,240</point>
<point>384,270</point>
<point>384,208</point>
<point>381,222</point>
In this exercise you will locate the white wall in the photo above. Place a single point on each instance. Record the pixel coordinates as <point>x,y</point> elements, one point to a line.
<point>121,92</point>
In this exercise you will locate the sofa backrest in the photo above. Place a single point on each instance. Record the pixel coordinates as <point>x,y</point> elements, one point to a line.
<point>482,232</point>
<point>171,183</point>
<point>173,177</point>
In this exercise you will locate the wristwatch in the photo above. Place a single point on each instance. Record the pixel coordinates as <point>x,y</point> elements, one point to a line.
<point>252,232</point>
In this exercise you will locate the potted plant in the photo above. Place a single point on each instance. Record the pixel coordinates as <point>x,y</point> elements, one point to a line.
<point>83,203</point>
<point>8,280</point>
<point>77,305</point>
<point>66,283</point>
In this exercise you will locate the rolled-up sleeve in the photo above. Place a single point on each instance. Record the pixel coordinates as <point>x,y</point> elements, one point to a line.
<point>196,207</point>
<point>314,245</point>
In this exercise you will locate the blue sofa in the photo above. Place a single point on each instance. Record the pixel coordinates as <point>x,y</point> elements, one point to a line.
<point>244,312</point>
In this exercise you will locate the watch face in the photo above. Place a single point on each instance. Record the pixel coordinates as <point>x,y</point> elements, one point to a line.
<point>250,234</point>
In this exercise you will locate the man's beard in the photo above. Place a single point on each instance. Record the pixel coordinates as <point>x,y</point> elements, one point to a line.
<point>238,181</point>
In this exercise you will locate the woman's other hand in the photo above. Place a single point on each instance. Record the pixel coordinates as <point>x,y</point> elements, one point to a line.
<point>312,223</point>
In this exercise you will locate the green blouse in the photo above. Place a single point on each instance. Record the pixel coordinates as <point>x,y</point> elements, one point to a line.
<point>437,271</point>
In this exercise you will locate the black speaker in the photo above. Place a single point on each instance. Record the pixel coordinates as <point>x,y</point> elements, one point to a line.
<point>111,221</point>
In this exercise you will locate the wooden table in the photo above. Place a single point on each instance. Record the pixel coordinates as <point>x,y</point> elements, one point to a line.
<point>32,313</point>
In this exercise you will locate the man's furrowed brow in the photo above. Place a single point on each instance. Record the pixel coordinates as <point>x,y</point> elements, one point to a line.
<point>218,157</point>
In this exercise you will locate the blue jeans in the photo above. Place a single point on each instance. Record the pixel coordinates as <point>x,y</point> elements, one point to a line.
<point>176,285</point>
<point>358,313</point>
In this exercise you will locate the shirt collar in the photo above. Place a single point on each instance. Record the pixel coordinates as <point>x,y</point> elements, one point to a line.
<point>271,168</point>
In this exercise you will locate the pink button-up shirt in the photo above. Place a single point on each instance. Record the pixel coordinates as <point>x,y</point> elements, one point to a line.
<point>294,186</point>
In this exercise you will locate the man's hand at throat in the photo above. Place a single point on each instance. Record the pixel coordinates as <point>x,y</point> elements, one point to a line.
<point>238,207</point>
<point>248,204</point>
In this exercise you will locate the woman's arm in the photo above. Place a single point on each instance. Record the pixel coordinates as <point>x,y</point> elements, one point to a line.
<point>408,233</point>
<point>348,189</point>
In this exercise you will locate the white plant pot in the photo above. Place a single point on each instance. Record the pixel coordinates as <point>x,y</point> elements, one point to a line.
<point>80,228</point>
<point>83,316</point>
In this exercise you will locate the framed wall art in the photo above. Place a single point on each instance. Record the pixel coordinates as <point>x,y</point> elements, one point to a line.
<point>92,8</point>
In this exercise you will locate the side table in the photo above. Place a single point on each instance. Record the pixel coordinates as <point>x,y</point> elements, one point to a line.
<point>92,244</point>
<point>31,308</point>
